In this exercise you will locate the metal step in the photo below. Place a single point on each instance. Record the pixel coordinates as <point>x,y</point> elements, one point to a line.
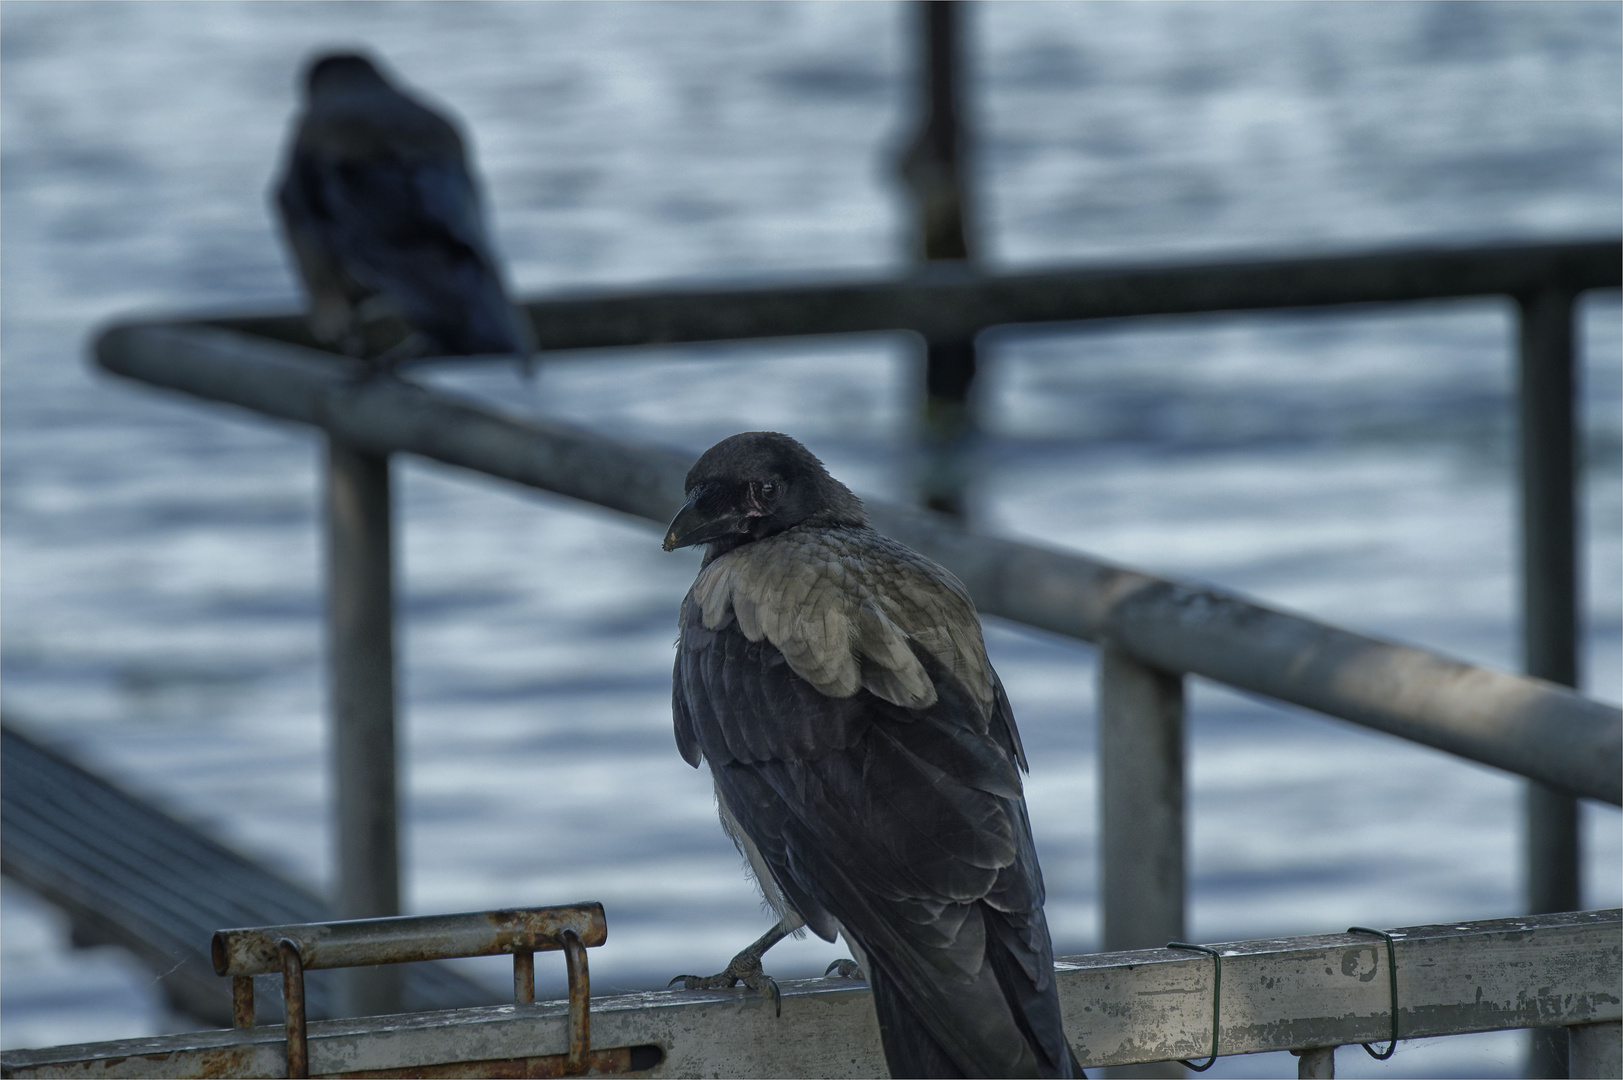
<point>129,874</point>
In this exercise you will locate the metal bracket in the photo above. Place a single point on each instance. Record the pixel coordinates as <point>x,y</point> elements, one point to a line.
<point>580,1003</point>
<point>291,950</point>
<point>1392,975</point>
<point>1217,999</point>
<point>298,1045</point>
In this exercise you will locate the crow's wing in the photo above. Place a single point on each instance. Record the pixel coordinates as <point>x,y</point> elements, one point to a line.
<point>906,826</point>
<point>848,608</point>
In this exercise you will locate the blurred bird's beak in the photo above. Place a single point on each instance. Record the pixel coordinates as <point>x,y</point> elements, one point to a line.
<point>699,522</point>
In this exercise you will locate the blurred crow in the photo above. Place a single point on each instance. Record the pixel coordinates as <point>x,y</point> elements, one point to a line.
<point>383,217</point>
<point>865,760</point>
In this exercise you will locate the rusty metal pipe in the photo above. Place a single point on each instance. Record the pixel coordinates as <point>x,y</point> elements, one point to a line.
<point>242,1001</point>
<point>361,942</point>
<point>580,1002</point>
<point>298,1048</point>
<point>524,976</point>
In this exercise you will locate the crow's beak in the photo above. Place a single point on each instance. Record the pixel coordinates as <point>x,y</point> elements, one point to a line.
<point>699,522</point>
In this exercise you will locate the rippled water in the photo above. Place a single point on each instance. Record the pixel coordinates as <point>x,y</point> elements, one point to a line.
<point>161,588</point>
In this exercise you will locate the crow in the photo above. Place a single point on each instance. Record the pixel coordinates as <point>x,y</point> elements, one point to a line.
<point>865,761</point>
<point>383,218</point>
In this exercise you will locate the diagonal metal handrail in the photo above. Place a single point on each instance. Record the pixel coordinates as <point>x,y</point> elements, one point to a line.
<point>1523,725</point>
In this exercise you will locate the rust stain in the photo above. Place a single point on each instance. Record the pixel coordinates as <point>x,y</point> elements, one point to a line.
<point>1361,964</point>
<point>252,950</point>
<point>298,1048</point>
<point>524,976</point>
<point>580,1002</point>
<point>242,1001</point>
<point>603,1062</point>
<point>218,1064</point>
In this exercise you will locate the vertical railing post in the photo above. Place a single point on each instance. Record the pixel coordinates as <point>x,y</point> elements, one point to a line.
<point>1316,1064</point>
<point>1597,1050</point>
<point>1549,599</point>
<point>932,172</point>
<point>1141,783</point>
<point>360,659</point>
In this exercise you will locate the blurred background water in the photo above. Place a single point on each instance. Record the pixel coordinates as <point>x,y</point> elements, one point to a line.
<point>161,590</point>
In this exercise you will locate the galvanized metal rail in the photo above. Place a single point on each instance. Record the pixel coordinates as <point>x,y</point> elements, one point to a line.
<point>1307,994</point>
<point>129,874</point>
<point>1525,726</point>
<point>951,304</point>
<point>1154,631</point>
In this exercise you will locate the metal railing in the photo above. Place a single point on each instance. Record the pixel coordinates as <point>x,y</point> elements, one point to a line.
<point>946,302</point>
<point>292,950</point>
<point>1522,725</point>
<point>1153,632</point>
<point>1308,995</point>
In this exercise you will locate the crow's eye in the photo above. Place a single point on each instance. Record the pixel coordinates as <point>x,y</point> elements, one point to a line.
<point>768,488</point>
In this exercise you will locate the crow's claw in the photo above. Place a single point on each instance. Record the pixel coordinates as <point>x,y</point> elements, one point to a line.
<point>846,969</point>
<point>745,969</point>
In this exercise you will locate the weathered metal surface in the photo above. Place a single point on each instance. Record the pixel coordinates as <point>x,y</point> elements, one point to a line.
<point>947,302</point>
<point>621,1059</point>
<point>129,874</point>
<point>1120,1008</point>
<point>523,976</point>
<point>242,1001</point>
<point>361,706</point>
<point>1525,726</point>
<point>1333,990</point>
<point>253,950</point>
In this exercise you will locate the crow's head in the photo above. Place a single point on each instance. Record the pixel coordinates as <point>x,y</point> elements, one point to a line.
<point>339,71</point>
<point>755,485</point>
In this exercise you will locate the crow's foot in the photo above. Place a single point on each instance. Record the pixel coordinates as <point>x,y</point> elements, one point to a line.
<point>745,968</point>
<point>846,969</point>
